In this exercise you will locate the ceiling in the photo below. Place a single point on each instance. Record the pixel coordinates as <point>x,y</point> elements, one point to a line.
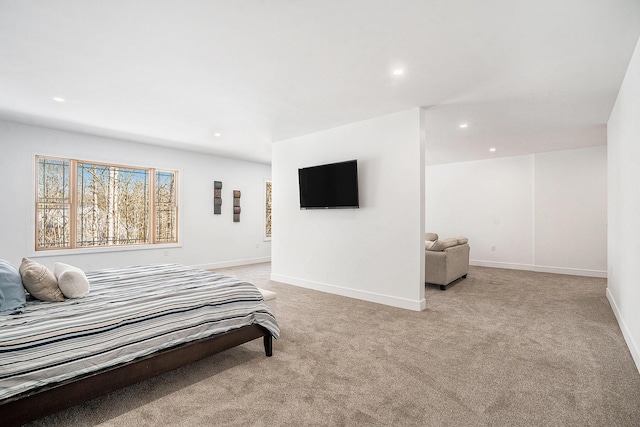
<point>232,77</point>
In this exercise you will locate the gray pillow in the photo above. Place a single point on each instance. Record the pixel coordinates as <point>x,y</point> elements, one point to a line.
<point>12,296</point>
<point>40,281</point>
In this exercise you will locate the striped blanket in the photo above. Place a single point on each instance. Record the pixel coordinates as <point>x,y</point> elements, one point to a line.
<point>129,313</point>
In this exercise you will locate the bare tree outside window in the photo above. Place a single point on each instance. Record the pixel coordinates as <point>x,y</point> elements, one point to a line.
<point>53,204</point>
<point>108,205</point>
<point>267,232</point>
<point>113,205</point>
<point>166,207</point>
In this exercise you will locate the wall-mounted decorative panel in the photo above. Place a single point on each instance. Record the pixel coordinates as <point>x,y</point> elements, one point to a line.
<point>217,197</point>
<point>236,205</point>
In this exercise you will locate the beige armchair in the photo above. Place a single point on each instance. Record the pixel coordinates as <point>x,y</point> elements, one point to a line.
<point>445,260</point>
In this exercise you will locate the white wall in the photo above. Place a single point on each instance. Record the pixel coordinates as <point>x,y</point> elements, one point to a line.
<point>488,201</point>
<point>541,212</point>
<point>374,252</point>
<point>206,240</point>
<point>623,133</point>
<point>571,210</point>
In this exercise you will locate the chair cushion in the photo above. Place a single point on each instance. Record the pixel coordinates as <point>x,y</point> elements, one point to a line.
<point>441,245</point>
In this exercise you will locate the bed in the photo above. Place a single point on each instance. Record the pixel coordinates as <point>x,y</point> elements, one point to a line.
<point>137,322</point>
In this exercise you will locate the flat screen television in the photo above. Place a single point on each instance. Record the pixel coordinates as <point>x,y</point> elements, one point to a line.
<point>330,186</point>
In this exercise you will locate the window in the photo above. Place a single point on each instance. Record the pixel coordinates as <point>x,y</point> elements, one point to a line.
<point>82,204</point>
<point>267,227</point>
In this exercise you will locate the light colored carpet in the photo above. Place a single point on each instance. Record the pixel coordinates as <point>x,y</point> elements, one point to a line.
<point>501,348</point>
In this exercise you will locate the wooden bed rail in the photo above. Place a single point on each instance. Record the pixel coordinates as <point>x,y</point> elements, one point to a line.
<point>47,400</point>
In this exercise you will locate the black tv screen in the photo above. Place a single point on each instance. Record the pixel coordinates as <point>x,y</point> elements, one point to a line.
<point>330,186</point>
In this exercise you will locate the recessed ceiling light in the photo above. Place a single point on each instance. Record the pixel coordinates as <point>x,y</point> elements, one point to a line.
<point>492,149</point>
<point>217,134</point>
<point>464,125</point>
<point>58,99</point>
<point>398,71</point>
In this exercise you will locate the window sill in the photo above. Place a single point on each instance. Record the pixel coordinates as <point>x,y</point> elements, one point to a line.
<point>102,249</point>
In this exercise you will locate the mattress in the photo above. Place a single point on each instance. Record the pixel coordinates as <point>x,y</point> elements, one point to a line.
<point>130,312</point>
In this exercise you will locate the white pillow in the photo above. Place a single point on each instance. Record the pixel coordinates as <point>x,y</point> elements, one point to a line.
<point>72,281</point>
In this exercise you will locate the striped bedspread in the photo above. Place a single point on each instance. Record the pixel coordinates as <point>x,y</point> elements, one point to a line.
<point>129,313</point>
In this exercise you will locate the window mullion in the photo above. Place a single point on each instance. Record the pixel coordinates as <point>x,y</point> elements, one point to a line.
<point>153,221</point>
<point>73,203</point>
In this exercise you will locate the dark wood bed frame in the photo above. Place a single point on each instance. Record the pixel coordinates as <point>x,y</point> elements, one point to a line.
<point>29,406</point>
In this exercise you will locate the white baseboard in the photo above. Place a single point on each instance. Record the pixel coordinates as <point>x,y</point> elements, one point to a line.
<point>494,264</point>
<point>540,268</point>
<point>414,305</point>
<point>572,271</point>
<point>633,347</point>
<point>233,263</point>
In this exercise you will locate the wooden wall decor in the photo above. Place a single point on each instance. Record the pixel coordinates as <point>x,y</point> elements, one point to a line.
<point>236,205</point>
<point>217,197</point>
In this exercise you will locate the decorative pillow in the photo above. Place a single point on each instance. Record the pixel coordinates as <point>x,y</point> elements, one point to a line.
<point>428,244</point>
<point>40,281</point>
<point>431,237</point>
<point>12,296</point>
<point>72,281</point>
